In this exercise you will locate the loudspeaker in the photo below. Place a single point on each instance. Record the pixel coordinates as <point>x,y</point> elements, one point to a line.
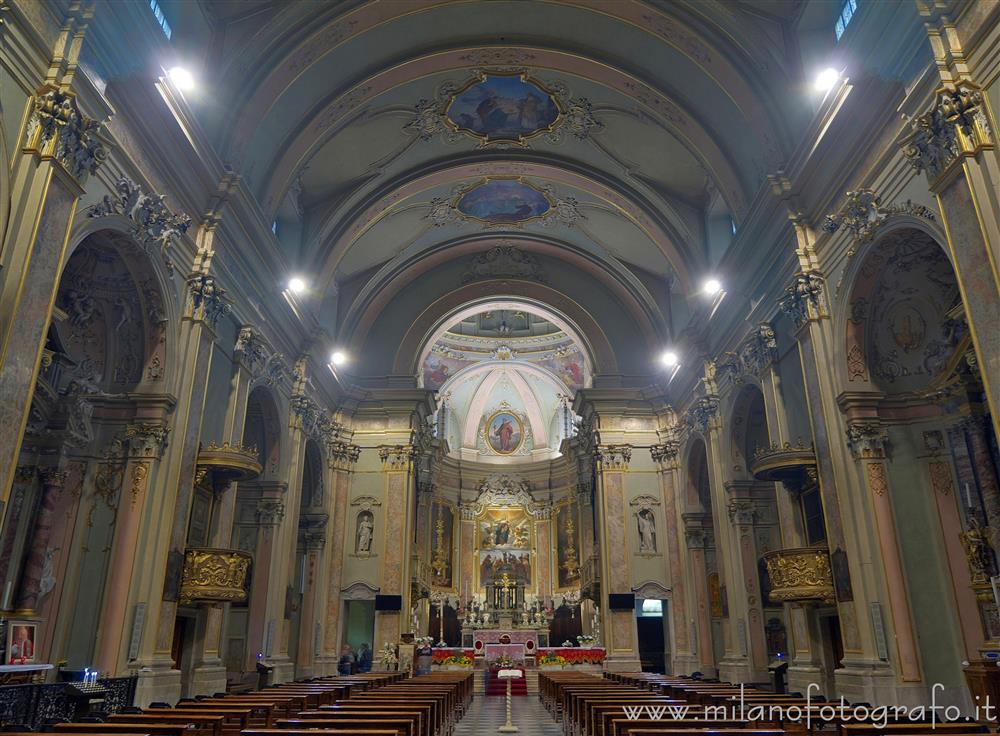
<point>388,602</point>
<point>621,601</point>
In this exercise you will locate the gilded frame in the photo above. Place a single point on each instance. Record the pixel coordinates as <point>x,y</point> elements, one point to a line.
<point>520,432</point>
<point>521,140</point>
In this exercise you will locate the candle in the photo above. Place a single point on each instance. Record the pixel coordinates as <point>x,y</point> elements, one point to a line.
<point>6,595</point>
<point>968,497</point>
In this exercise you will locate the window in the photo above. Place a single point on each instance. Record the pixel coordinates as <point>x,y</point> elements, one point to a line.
<point>651,605</point>
<point>274,227</point>
<point>847,11</point>
<point>165,27</point>
<point>812,514</point>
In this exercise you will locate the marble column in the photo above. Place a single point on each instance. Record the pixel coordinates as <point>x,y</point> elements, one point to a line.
<point>145,443</point>
<point>397,467</point>
<point>954,144</point>
<point>263,627</point>
<point>743,516</point>
<point>166,535</point>
<point>341,460</point>
<point>665,455</point>
<point>52,483</point>
<point>60,149</point>
<point>619,627</point>
<point>312,542</point>
<point>697,532</point>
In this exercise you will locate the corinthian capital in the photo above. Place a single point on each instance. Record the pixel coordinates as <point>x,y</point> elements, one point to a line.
<point>342,455</point>
<point>867,440</point>
<point>396,457</point>
<point>665,453</point>
<point>614,457</point>
<point>146,440</point>
<point>57,128</point>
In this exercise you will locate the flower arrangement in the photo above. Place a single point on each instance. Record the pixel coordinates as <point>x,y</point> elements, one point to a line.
<point>388,656</point>
<point>561,657</point>
<point>585,640</point>
<point>568,643</point>
<point>453,657</point>
<point>423,642</point>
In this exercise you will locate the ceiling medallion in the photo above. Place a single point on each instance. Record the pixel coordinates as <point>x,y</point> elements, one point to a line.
<point>503,201</point>
<point>503,107</point>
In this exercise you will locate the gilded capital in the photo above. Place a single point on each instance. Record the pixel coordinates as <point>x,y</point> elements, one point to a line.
<point>955,126</point>
<point>867,440</point>
<point>52,477</point>
<point>665,454</point>
<point>206,299</point>
<point>396,457</point>
<point>146,440</point>
<point>614,457</point>
<point>270,512</point>
<point>342,456</point>
<point>57,128</point>
<point>803,299</point>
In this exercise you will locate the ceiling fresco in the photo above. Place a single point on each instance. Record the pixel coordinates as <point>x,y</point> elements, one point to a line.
<point>503,107</point>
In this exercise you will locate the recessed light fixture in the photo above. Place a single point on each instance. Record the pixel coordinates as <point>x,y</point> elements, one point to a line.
<point>181,78</point>
<point>711,287</point>
<point>337,357</point>
<point>826,79</point>
<point>669,359</point>
<point>296,285</point>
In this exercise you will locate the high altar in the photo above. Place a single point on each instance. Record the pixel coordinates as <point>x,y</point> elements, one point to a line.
<point>516,570</point>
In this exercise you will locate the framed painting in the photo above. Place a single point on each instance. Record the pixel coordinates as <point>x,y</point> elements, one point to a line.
<point>503,107</point>
<point>21,637</point>
<point>504,433</point>
<point>494,562</point>
<point>503,200</point>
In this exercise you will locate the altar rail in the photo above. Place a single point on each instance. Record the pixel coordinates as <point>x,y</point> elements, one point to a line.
<point>35,705</point>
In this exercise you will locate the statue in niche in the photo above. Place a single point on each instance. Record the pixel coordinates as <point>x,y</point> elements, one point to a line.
<point>365,533</point>
<point>647,530</point>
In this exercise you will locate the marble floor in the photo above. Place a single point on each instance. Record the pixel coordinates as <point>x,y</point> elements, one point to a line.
<point>487,714</point>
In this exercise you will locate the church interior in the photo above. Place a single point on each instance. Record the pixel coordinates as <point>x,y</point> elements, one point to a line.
<point>432,367</point>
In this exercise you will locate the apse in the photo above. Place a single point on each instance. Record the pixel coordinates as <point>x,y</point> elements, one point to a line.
<point>505,376</point>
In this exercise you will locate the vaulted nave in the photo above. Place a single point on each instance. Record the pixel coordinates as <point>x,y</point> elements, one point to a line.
<point>429,367</point>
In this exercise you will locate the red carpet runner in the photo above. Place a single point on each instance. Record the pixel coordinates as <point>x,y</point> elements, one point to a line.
<point>496,686</point>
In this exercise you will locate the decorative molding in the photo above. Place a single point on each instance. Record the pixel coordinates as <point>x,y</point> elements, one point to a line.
<point>742,512</point>
<point>877,479</point>
<point>505,491</point>
<point>146,440</point>
<point>652,589</point>
<point>575,119</point>
<point>803,300</point>
<point>444,211</point>
<point>342,456</point>
<point>140,471</point>
<point>955,125</point>
<point>315,421</point>
<point>867,440</point>
<point>941,478</point>
<point>644,503</point>
<point>359,591</point>
<point>613,457</point>
<point>703,413</point>
<point>270,512</point>
<point>50,477</point>
<point>503,262</point>
<point>206,299</point>
<point>152,224</point>
<point>753,355</point>
<point>863,214</point>
<point>397,457</point>
<point>256,355</point>
<point>667,453</point>
<point>57,128</point>
<point>366,503</point>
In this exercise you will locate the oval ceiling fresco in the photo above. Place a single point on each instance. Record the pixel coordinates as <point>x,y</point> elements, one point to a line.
<point>503,201</point>
<point>503,107</point>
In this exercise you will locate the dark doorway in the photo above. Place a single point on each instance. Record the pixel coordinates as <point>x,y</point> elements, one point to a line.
<point>649,625</point>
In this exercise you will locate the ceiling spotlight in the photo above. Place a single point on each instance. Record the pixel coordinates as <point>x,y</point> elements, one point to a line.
<point>181,78</point>
<point>711,287</point>
<point>826,79</point>
<point>669,359</point>
<point>296,285</point>
<point>338,358</point>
